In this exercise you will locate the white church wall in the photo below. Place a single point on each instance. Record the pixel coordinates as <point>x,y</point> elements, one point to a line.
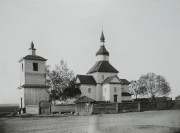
<point>125,88</point>
<point>21,95</point>
<point>106,92</point>
<point>84,91</point>
<point>118,93</point>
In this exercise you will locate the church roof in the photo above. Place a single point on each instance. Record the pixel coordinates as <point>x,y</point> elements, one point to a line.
<point>125,94</point>
<point>84,99</point>
<point>34,86</point>
<point>125,82</point>
<point>33,57</point>
<point>102,66</point>
<point>86,79</point>
<point>102,51</point>
<point>109,79</point>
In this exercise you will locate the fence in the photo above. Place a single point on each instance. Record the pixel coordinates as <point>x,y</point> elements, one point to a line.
<point>104,108</point>
<point>62,108</point>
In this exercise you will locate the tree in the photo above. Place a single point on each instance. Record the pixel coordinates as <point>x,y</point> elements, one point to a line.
<point>62,82</point>
<point>135,88</point>
<point>154,85</point>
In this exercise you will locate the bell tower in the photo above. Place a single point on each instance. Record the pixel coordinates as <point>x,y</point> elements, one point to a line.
<point>32,79</point>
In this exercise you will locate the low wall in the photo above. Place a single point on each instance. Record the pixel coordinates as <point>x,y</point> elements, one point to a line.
<point>175,104</point>
<point>129,107</point>
<point>32,109</point>
<point>105,108</point>
<point>145,106</point>
<point>63,108</point>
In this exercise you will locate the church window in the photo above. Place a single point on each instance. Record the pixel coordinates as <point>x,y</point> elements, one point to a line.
<point>122,89</point>
<point>115,89</point>
<point>89,90</point>
<point>104,89</point>
<point>35,66</point>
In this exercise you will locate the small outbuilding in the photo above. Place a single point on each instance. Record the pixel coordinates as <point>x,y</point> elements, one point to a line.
<point>84,106</point>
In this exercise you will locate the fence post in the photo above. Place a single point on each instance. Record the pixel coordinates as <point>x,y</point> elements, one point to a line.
<point>139,106</point>
<point>116,107</point>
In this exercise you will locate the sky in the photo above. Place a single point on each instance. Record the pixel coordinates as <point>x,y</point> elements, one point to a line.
<point>141,36</point>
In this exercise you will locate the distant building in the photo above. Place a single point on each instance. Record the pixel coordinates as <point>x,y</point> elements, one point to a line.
<point>102,82</point>
<point>32,79</point>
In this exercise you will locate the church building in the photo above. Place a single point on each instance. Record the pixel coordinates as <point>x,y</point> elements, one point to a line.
<point>101,83</point>
<point>32,79</point>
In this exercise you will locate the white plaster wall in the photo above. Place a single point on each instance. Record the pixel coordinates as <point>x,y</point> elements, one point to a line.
<point>106,93</point>
<point>34,77</point>
<point>98,92</point>
<point>102,58</point>
<point>126,98</point>
<point>126,88</point>
<point>118,93</point>
<point>84,91</point>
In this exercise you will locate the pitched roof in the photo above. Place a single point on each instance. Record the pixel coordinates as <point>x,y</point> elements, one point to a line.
<point>125,82</point>
<point>33,57</point>
<point>109,79</point>
<point>34,86</point>
<point>102,51</point>
<point>102,66</point>
<point>84,99</point>
<point>125,94</point>
<point>86,79</point>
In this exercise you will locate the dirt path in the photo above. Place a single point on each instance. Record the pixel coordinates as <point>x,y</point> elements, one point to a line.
<point>138,122</point>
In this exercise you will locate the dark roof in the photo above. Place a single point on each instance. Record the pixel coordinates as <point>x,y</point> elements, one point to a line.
<point>84,99</point>
<point>109,79</point>
<point>102,51</point>
<point>35,86</point>
<point>102,66</point>
<point>125,82</point>
<point>102,39</point>
<point>33,57</point>
<point>125,94</point>
<point>86,79</point>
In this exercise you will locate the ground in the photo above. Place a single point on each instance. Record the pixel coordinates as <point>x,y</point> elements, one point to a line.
<point>167,121</point>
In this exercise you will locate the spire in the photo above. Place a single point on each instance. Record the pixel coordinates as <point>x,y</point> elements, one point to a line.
<point>32,50</point>
<point>32,46</point>
<point>102,39</point>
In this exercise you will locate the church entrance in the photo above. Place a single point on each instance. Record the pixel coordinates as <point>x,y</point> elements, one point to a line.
<point>115,98</point>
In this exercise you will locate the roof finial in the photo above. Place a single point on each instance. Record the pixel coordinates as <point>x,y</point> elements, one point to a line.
<point>102,39</point>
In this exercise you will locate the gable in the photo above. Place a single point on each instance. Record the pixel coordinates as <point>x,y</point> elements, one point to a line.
<point>112,80</point>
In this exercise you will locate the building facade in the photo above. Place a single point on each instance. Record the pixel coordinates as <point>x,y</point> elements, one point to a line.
<point>101,83</point>
<point>32,79</point>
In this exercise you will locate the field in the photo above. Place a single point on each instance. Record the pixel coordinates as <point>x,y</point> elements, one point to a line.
<point>167,121</point>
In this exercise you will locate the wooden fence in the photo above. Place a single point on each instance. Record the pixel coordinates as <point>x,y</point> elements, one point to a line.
<point>62,108</point>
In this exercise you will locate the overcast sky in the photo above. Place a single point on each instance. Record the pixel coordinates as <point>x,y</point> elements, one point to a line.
<point>141,36</point>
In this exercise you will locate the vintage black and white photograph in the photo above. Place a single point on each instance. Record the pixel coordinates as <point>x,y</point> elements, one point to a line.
<point>90,66</point>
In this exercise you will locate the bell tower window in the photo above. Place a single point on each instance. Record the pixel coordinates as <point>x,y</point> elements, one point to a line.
<point>35,66</point>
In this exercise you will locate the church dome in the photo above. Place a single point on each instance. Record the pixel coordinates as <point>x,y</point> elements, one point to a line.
<point>102,51</point>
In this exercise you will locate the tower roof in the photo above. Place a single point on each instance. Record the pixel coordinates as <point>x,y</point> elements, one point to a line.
<point>32,46</point>
<point>102,51</point>
<point>33,57</point>
<point>102,66</point>
<point>102,39</point>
